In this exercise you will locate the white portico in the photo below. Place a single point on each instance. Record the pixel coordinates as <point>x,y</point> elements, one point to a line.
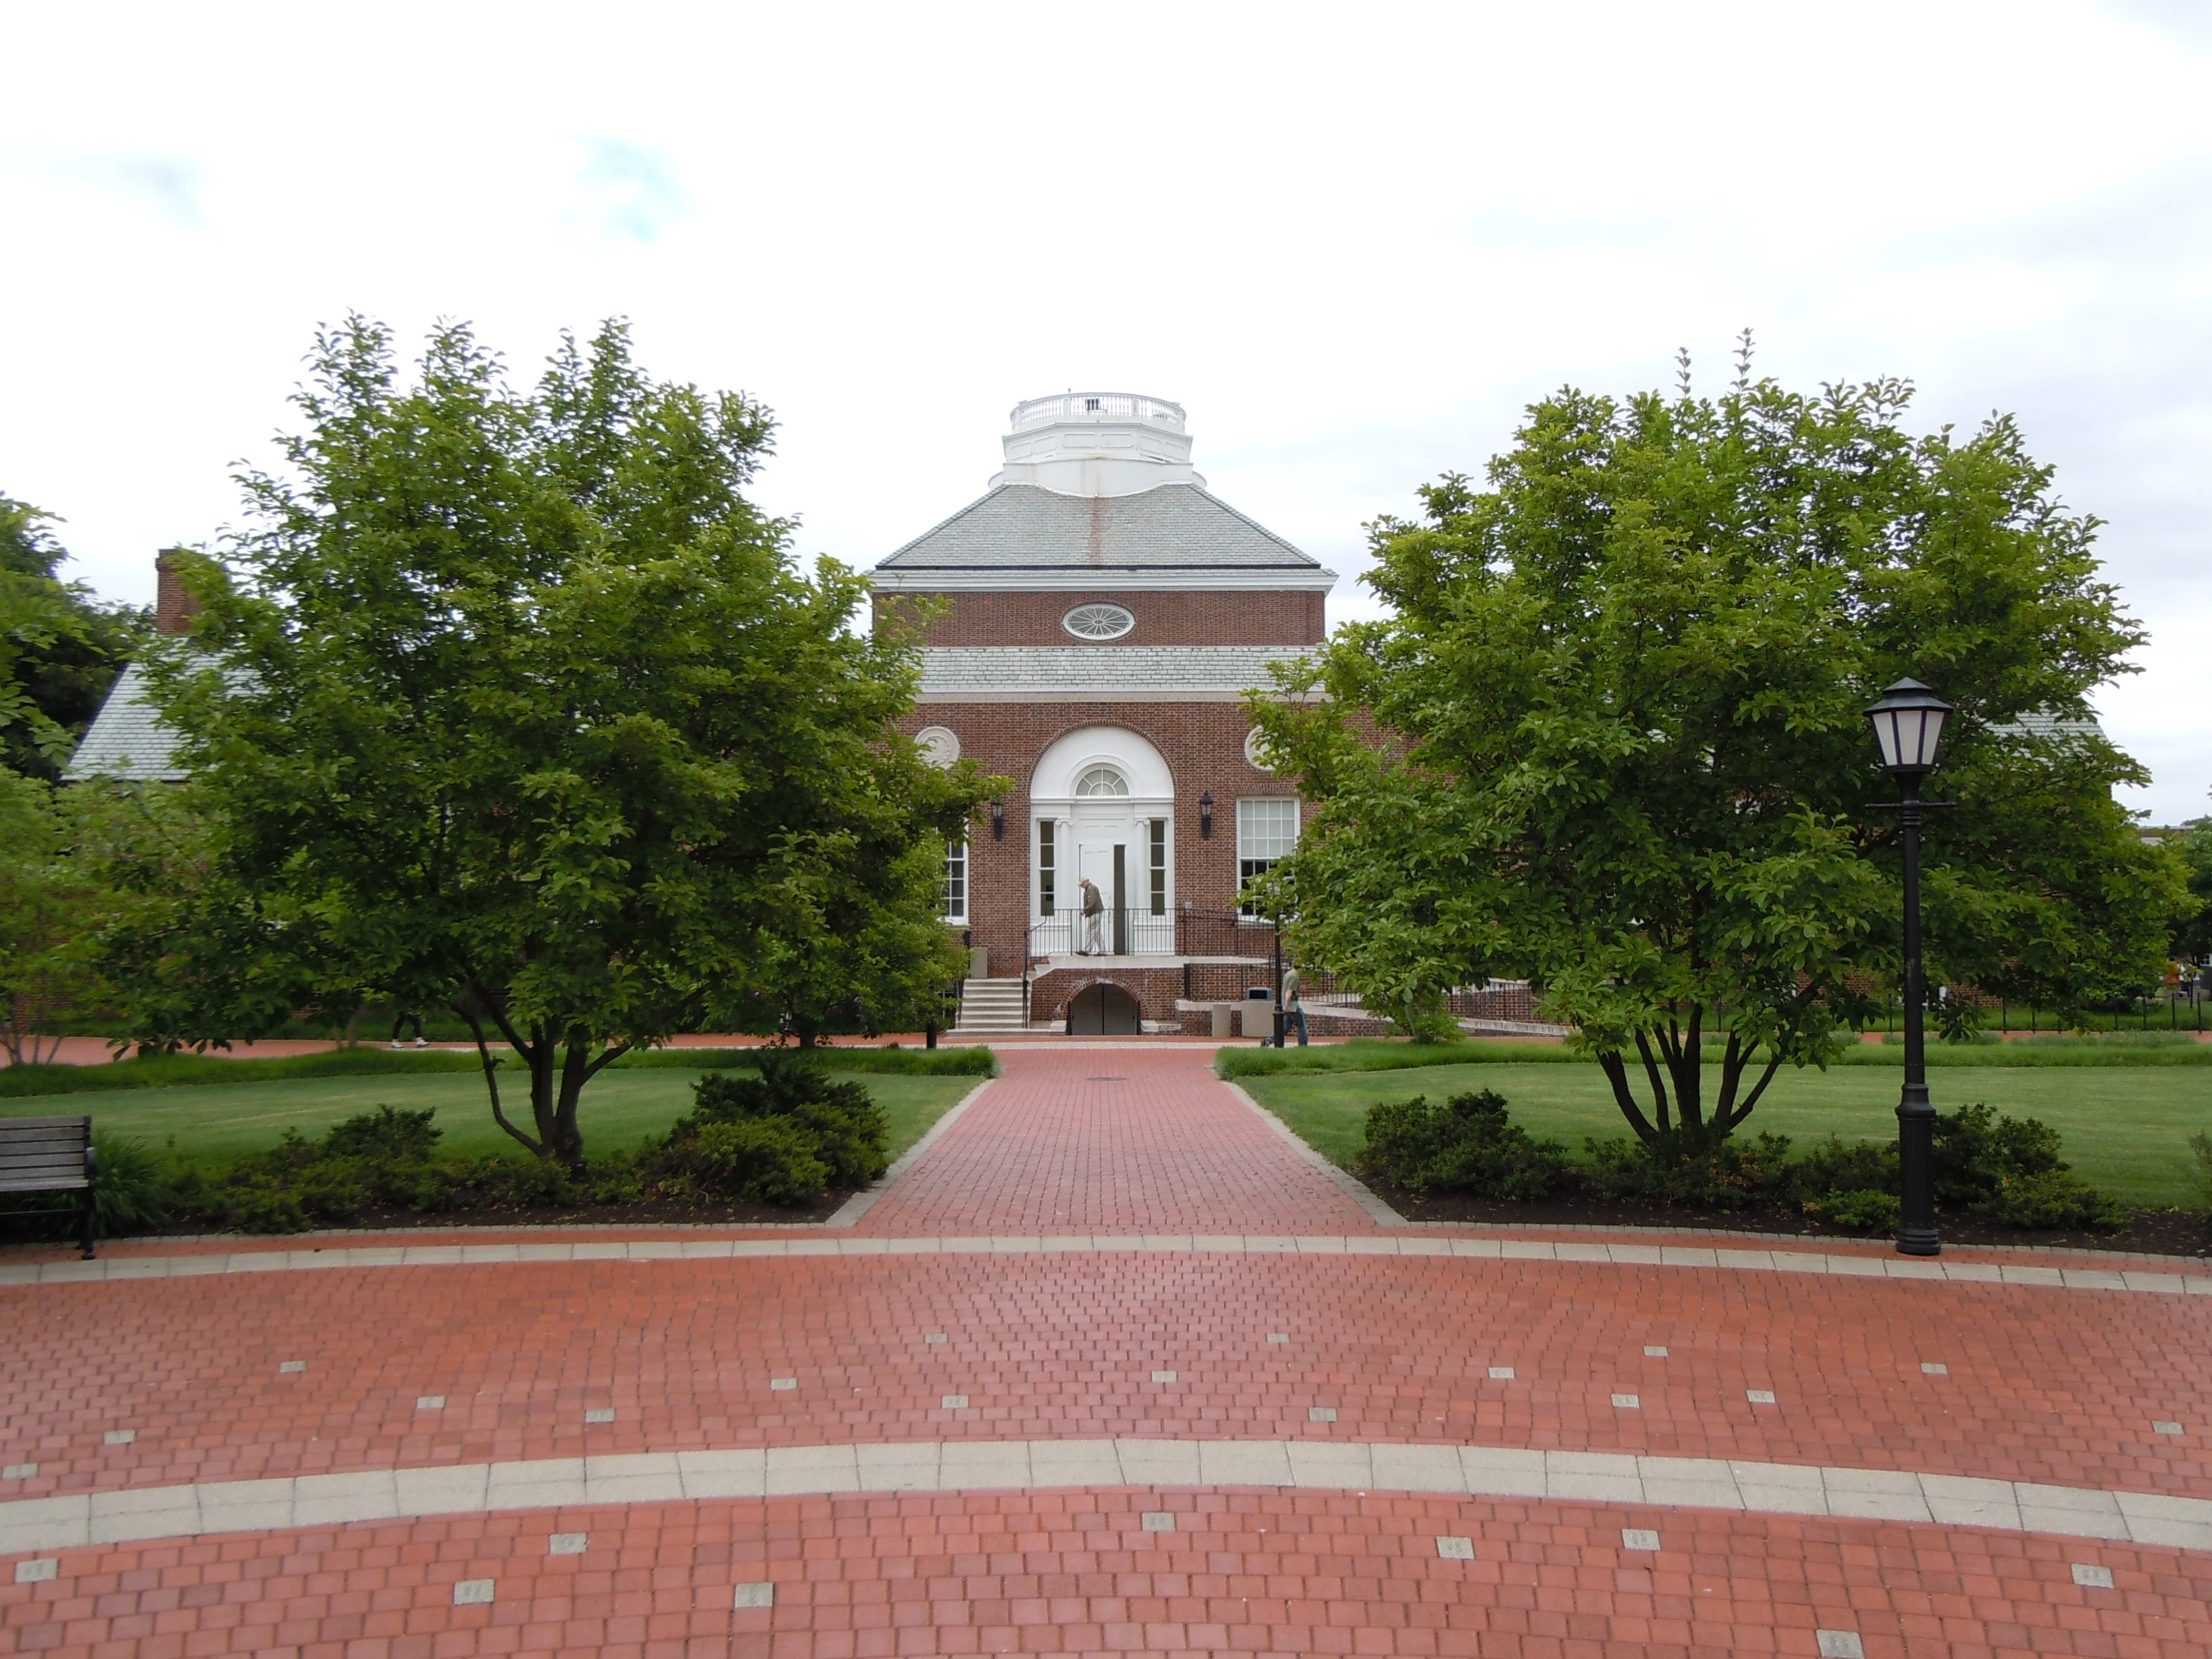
<point>1102,806</point>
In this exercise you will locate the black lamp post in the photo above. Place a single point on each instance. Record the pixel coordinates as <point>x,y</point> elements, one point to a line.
<point>1908,724</point>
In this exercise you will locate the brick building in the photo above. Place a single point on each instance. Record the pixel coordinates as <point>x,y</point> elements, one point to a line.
<point>1089,627</point>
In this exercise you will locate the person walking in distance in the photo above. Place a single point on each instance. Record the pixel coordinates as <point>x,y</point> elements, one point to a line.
<point>1094,919</point>
<point>1294,1010</point>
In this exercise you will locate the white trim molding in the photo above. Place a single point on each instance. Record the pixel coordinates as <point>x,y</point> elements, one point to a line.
<point>1106,578</point>
<point>79,1521</point>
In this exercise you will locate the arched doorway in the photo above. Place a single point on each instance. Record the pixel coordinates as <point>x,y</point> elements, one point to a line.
<point>1104,1010</point>
<point>1102,806</point>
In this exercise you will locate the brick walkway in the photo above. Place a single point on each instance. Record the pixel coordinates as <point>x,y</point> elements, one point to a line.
<point>142,1385</point>
<point>1112,1141</point>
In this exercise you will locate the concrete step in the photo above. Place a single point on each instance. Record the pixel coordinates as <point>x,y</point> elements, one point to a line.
<point>991,1008</point>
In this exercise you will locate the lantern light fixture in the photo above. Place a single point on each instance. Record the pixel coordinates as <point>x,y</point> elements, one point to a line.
<point>1908,724</point>
<point>998,821</point>
<point>1206,817</point>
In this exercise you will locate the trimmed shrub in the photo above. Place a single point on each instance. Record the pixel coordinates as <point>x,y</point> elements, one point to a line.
<point>1688,1169</point>
<point>1977,1151</point>
<point>770,1160</point>
<point>384,1133</point>
<point>2052,1198</point>
<point>1864,1211</point>
<point>781,1137</point>
<point>1466,1145</point>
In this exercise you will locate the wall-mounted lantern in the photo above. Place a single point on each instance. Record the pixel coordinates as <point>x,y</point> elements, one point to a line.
<point>998,821</point>
<point>1206,817</point>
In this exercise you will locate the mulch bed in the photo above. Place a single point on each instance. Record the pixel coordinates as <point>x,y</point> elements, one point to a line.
<point>2150,1232</point>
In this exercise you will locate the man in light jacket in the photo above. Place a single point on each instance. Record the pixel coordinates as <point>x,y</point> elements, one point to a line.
<point>1294,1010</point>
<point>1094,919</point>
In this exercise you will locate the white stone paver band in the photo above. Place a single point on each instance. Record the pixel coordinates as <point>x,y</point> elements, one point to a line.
<point>31,1525</point>
<point>114,1268</point>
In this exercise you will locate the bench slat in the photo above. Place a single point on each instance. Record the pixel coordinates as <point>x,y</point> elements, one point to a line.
<point>55,1157</point>
<point>44,1154</point>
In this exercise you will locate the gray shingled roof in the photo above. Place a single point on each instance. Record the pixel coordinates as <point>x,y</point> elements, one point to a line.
<point>127,738</point>
<point>1081,670</point>
<point>2038,723</point>
<point>1173,527</point>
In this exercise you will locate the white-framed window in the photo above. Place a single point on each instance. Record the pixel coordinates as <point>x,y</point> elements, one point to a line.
<point>1157,863</point>
<point>955,881</point>
<point>1048,868</point>
<point>1102,780</point>
<point>1266,829</point>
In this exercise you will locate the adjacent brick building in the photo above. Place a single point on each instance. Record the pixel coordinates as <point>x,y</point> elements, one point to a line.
<point>1089,627</point>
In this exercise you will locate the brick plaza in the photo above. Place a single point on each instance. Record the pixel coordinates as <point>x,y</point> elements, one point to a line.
<point>1111,1367</point>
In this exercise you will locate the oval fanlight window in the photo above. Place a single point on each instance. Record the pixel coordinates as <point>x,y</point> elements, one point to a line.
<point>1098,622</point>
<point>1102,780</point>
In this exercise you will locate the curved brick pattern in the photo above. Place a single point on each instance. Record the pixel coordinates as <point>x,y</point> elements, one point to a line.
<point>2050,1386</point>
<point>1164,1147</point>
<point>1151,1571</point>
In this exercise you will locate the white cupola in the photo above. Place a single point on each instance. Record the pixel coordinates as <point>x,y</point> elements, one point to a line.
<point>1098,443</point>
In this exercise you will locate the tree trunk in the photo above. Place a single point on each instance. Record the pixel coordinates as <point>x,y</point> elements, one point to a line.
<point>1625,1097</point>
<point>565,1142</point>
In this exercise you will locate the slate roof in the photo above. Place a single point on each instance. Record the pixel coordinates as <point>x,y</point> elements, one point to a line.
<point>126,739</point>
<point>1088,670</point>
<point>2036,722</point>
<point>1173,527</point>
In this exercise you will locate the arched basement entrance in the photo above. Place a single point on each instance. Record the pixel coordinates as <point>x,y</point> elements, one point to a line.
<point>1102,806</point>
<point>1103,1010</point>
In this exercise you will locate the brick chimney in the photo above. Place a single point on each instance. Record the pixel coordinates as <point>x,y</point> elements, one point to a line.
<point>174,608</point>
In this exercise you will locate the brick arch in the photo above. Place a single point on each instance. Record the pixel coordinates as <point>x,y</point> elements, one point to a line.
<point>1118,1010</point>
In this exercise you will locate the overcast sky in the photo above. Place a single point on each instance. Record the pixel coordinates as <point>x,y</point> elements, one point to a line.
<point>1353,240</point>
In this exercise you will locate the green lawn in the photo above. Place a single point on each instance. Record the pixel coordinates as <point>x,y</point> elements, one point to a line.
<point>212,1124</point>
<point>2124,1128</point>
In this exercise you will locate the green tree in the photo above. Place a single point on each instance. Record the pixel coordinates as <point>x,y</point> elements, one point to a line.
<point>51,908</point>
<point>60,648</point>
<point>845,958</point>
<point>509,700</point>
<point>1612,740</point>
<point>2193,938</point>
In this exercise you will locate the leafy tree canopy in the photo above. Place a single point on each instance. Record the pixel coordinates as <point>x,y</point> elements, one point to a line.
<point>52,906</point>
<point>2193,939</point>
<point>60,648</point>
<point>510,700</point>
<point>1613,738</point>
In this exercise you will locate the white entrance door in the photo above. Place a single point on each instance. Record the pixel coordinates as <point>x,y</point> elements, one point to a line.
<point>1104,840</point>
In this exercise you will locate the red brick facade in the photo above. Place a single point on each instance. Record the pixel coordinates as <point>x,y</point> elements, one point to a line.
<point>1203,744</point>
<point>1167,618</point>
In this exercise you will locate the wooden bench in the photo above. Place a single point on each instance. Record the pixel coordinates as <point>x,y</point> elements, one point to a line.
<point>51,1154</point>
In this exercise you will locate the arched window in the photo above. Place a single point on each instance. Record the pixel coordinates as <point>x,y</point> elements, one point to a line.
<point>1102,780</point>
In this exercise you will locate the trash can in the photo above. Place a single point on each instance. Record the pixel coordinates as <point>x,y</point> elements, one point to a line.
<point>1259,1012</point>
<point>1224,1020</point>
